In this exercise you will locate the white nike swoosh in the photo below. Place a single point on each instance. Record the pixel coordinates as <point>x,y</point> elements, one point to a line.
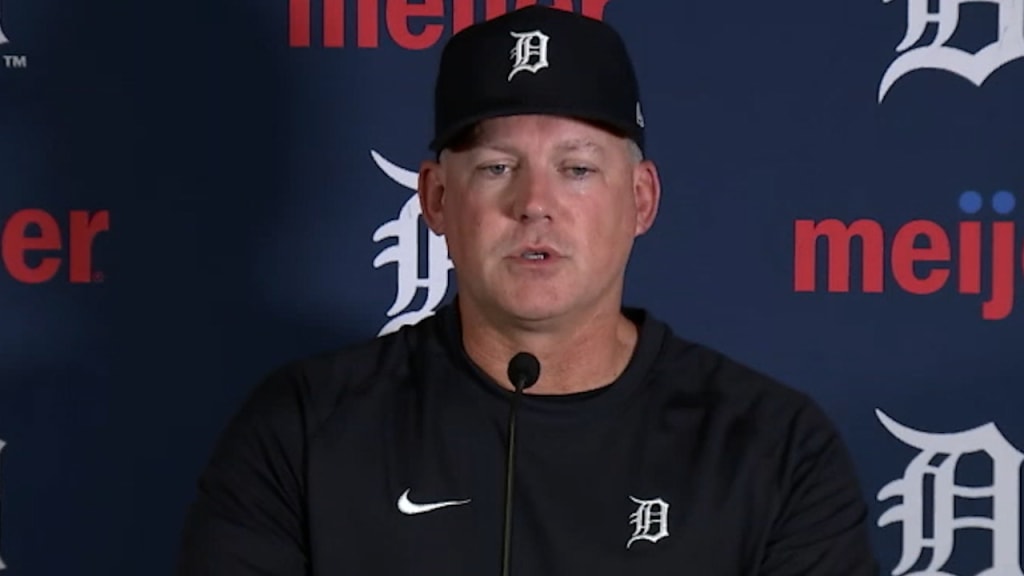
<point>405,506</point>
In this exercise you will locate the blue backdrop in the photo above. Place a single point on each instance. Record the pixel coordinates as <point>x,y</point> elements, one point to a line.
<point>193,193</point>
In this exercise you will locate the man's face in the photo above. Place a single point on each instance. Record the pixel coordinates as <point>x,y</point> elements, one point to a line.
<point>540,214</point>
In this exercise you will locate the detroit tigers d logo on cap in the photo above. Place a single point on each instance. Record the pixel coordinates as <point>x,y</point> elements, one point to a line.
<point>530,53</point>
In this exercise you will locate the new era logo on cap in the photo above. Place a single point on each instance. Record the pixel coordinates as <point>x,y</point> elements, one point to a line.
<point>536,60</point>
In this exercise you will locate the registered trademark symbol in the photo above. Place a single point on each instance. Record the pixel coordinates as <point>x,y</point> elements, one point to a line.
<point>98,277</point>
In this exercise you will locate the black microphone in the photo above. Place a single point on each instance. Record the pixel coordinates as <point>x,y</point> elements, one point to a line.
<point>523,371</point>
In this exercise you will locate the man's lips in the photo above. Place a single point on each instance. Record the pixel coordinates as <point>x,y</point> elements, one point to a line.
<point>535,253</point>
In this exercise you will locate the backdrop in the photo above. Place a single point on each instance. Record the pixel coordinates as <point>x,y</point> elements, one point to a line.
<point>192,193</point>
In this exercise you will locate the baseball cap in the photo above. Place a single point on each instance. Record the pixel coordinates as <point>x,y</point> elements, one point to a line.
<point>536,60</point>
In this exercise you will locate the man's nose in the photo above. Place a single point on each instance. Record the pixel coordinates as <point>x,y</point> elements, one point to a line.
<point>534,196</point>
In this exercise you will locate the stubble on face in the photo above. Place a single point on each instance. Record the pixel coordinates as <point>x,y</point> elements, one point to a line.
<point>539,187</point>
<point>540,214</point>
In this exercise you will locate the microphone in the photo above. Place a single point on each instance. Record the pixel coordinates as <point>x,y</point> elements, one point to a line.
<point>523,371</point>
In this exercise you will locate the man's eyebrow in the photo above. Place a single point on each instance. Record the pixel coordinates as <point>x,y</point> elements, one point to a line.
<point>578,144</point>
<point>571,145</point>
<point>495,145</point>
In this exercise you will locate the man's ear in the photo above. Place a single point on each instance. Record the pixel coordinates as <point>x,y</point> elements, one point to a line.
<point>430,190</point>
<point>646,195</point>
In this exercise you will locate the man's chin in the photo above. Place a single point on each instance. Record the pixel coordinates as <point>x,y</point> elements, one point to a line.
<point>526,305</point>
<point>537,309</point>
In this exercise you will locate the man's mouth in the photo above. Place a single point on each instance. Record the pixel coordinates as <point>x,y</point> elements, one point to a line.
<point>535,255</point>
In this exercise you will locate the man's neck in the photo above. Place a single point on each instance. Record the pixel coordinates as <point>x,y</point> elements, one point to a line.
<point>574,358</point>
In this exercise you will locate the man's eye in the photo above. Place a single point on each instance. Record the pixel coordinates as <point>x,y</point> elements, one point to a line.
<point>579,171</point>
<point>496,169</point>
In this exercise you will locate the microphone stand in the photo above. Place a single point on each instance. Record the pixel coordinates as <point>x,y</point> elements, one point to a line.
<point>523,371</point>
<point>509,479</point>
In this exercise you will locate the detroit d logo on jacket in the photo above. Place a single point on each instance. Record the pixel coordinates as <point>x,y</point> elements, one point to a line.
<point>649,521</point>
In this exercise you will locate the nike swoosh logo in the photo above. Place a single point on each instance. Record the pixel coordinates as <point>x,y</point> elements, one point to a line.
<point>406,506</point>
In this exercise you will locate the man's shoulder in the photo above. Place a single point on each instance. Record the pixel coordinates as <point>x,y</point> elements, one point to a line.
<point>735,390</point>
<point>312,386</point>
<point>358,363</point>
<point>710,370</point>
<point>786,448</point>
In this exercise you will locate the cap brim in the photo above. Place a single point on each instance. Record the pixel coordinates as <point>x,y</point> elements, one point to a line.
<point>602,121</point>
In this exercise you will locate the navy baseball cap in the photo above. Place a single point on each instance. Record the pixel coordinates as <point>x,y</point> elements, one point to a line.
<point>536,60</point>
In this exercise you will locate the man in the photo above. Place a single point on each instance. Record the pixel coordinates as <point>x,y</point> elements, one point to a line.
<point>636,452</point>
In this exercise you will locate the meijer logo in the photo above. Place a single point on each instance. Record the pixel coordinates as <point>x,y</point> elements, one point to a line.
<point>916,268</point>
<point>28,235</point>
<point>402,17</point>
